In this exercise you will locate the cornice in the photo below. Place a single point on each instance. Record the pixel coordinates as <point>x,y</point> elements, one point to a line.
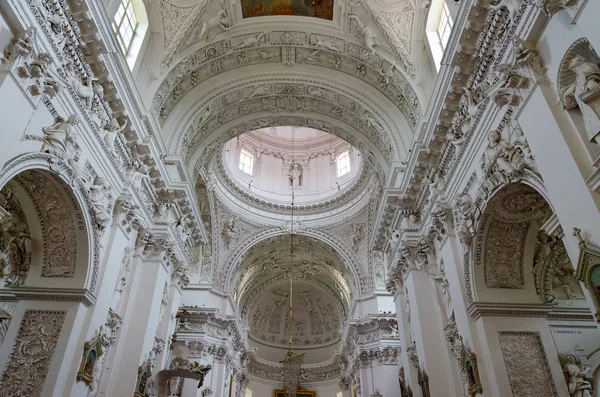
<point>49,294</point>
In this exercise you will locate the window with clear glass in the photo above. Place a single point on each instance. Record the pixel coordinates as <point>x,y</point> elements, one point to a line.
<point>125,24</point>
<point>445,26</point>
<point>343,164</point>
<point>246,162</point>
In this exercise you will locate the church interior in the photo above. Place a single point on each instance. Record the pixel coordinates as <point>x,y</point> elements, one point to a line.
<point>299,198</point>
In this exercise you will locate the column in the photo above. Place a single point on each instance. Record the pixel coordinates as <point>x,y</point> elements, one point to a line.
<point>427,329</point>
<point>137,341</point>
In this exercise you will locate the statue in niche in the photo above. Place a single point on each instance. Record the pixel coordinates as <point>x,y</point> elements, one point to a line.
<point>96,373</point>
<point>295,174</point>
<point>585,93</point>
<point>16,244</point>
<point>60,136</point>
<point>576,375</point>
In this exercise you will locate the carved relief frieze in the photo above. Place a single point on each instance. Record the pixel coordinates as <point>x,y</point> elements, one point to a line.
<point>55,208</point>
<point>523,380</point>
<point>311,49</point>
<point>32,353</point>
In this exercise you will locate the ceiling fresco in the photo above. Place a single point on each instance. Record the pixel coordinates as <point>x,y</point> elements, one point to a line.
<point>307,8</point>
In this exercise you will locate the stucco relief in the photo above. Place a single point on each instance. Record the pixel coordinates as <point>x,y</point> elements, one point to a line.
<point>55,208</point>
<point>530,377</point>
<point>553,271</point>
<point>291,98</point>
<point>221,56</point>
<point>504,247</point>
<point>32,353</point>
<point>15,240</point>
<point>503,234</point>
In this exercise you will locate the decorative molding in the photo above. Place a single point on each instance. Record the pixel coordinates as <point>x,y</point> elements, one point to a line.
<point>32,353</point>
<point>516,345</point>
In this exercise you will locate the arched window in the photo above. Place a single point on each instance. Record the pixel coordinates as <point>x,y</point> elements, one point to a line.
<point>439,26</point>
<point>343,164</point>
<point>246,162</point>
<point>130,24</point>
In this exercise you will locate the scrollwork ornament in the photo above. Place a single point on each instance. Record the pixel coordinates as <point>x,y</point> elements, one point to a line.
<point>31,356</point>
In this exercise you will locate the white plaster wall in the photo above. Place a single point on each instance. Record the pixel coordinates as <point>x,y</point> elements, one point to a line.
<point>270,177</point>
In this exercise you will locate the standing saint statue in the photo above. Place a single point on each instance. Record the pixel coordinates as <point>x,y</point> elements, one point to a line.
<point>295,174</point>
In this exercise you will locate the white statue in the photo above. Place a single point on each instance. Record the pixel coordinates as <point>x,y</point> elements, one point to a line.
<point>575,374</point>
<point>369,121</point>
<point>464,209</point>
<point>182,229</point>
<point>368,33</point>
<point>99,198</point>
<point>174,387</point>
<point>87,90</point>
<point>60,137</point>
<point>387,75</point>
<point>229,231</point>
<point>96,373</point>
<point>295,175</point>
<point>220,20</point>
<point>111,129</point>
<point>358,232</point>
<point>500,156</point>
<point>585,93</point>
<point>17,245</point>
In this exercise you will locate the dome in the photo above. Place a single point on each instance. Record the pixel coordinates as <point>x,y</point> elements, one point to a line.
<point>266,163</point>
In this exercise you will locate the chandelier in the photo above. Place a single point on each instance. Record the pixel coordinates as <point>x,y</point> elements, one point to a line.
<point>292,363</point>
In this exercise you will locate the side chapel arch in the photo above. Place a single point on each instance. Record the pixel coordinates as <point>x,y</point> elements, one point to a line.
<point>513,258</point>
<point>64,238</point>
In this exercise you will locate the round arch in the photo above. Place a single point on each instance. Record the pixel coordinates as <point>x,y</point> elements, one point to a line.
<point>285,47</point>
<point>361,280</point>
<point>507,243</point>
<point>60,219</point>
<point>488,190</point>
<point>275,99</point>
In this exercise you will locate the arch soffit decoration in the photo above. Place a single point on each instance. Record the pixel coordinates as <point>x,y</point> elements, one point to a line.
<point>284,99</point>
<point>288,47</point>
<point>483,206</point>
<point>360,279</point>
<point>59,173</point>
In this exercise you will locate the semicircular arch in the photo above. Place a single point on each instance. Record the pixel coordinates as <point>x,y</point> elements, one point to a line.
<point>63,217</point>
<point>360,283</point>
